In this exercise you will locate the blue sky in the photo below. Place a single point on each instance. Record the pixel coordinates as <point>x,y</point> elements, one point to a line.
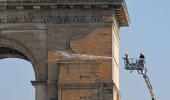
<point>15,77</point>
<point>148,33</point>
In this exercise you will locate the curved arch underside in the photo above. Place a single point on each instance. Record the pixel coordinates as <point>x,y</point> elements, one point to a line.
<point>10,48</point>
<point>11,53</point>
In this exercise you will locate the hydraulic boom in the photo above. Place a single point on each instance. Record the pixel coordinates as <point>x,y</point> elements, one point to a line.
<point>149,85</point>
<point>133,64</point>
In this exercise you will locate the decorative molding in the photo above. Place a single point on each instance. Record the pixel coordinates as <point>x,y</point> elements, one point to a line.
<point>31,17</point>
<point>119,6</point>
<point>12,2</point>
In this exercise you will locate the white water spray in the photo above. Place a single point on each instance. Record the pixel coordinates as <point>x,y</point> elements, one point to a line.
<point>67,55</point>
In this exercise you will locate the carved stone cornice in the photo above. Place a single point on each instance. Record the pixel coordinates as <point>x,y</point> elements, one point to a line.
<point>54,2</point>
<point>31,17</point>
<point>119,6</point>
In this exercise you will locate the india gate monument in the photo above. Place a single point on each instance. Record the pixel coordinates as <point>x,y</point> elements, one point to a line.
<point>73,45</point>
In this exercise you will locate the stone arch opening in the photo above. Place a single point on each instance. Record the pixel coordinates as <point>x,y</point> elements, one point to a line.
<point>14,48</point>
<point>10,48</point>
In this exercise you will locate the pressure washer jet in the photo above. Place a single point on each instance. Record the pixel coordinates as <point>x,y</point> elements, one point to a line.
<point>135,64</point>
<point>138,64</point>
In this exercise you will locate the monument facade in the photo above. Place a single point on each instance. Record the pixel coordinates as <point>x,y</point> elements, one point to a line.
<point>73,45</point>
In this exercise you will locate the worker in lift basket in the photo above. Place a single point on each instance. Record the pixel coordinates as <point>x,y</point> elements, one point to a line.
<point>141,60</point>
<point>127,60</point>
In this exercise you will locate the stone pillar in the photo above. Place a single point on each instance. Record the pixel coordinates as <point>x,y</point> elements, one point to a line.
<point>52,90</point>
<point>40,89</point>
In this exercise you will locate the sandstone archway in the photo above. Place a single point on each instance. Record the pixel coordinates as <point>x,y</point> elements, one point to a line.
<point>12,49</point>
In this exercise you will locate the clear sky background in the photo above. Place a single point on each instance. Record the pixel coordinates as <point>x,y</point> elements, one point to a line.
<point>148,33</point>
<point>15,77</point>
